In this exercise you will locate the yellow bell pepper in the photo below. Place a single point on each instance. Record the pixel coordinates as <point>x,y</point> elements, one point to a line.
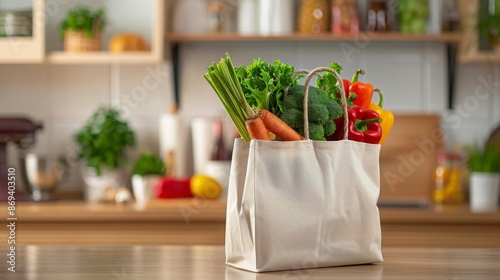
<point>386,116</point>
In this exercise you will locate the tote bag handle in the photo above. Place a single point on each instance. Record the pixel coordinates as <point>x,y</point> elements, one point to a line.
<point>311,74</point>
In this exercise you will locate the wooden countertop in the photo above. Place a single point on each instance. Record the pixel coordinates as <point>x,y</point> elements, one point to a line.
<point>186,210</point>
<point>202,222</point>
<point>207,262</point>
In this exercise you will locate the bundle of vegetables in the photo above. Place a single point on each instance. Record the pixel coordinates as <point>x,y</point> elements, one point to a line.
<point>264,100</point>
<point>250,123</point>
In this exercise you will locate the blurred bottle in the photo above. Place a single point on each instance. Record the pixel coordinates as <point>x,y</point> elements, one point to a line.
<point>449,179</point>
<point>345,18</point>
<point>451,16</point>
<point>377,20</point>
<point>219,148</point>
<point>221,16</point>
<point>435,24</point>
<point>314,16</point>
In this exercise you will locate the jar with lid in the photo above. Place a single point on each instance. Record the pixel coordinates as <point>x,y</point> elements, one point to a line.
<point>314,16</point>
<point>449,179</point>
<point>345,18</point>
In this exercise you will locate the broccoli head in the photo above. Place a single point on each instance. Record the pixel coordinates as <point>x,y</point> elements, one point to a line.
<point>322,110</point>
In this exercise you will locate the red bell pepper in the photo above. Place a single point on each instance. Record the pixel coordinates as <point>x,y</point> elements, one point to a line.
<point>363,126</point>
<point>363,91</point>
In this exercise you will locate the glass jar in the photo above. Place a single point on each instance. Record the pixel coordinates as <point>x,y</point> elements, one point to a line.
<point>377,20</point>
<point>449,179</point>
<point>314,16</point>
<point>345,17</point>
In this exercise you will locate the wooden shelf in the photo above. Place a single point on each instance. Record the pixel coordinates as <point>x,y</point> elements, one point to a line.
<point>102,58</point>
<point>480,57</point>
<point>327,37</point>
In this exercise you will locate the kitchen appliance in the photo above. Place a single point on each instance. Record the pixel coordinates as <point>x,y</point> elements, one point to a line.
<point>20,131</point>
<point>42,174</point>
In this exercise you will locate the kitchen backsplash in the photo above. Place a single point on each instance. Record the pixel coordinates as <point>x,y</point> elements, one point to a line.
<point>413,77</point>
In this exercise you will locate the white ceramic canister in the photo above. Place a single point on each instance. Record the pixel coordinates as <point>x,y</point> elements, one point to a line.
<point>248,17</point>
<point>276,17</point>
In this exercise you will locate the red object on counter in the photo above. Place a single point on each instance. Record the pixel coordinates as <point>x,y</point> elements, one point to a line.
<point>173,188</point>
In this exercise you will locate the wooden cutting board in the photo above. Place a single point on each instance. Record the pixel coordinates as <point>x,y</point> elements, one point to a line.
<point>408,158</point>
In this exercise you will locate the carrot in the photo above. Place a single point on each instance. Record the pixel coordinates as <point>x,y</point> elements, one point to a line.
<point>257,129</point>
<point>278,127</point>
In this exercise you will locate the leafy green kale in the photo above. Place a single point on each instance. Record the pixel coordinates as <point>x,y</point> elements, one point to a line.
<point>264,84</point>
<point>322,110</point>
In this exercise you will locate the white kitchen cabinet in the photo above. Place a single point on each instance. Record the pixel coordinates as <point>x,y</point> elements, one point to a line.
<point>26,49</point>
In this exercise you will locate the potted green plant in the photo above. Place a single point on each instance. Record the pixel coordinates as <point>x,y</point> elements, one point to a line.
<point>102,143</point>
<point>484,182</point>
<point>488,27</point>
<point>81,29</point>
<point>147,171</point>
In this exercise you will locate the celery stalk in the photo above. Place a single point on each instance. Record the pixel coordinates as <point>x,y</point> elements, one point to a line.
<point>222,78</point>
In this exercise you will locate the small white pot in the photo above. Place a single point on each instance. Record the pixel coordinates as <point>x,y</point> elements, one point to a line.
<point>143,187</point>
<point>484,191</point>
<point>96,186</point>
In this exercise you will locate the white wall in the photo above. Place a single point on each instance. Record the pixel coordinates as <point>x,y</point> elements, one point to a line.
<point>413,78</point>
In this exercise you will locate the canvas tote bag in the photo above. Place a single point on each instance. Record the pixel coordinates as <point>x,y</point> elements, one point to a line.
<point>303,204</point>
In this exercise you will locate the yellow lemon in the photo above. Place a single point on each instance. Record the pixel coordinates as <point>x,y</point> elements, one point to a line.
<point>203,186</point>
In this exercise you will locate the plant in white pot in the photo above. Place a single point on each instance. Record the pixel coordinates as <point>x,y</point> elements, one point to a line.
<point>103,142</point>
<point>484,189</point>
<point>147,171</point>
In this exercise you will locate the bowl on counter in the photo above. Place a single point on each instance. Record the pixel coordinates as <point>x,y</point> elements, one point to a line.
<point>42,174</point>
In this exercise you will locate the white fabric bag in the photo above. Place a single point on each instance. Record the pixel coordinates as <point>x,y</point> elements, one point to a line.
<point>303,204</point>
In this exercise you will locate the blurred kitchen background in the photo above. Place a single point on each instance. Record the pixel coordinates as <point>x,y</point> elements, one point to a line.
<point>415,73</point>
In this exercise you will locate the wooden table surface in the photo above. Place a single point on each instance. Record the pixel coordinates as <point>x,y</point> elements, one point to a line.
<point>202,222</point>
<point>207,262</point>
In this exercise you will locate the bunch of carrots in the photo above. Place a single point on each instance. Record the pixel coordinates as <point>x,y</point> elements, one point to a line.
<point>250,123</point>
